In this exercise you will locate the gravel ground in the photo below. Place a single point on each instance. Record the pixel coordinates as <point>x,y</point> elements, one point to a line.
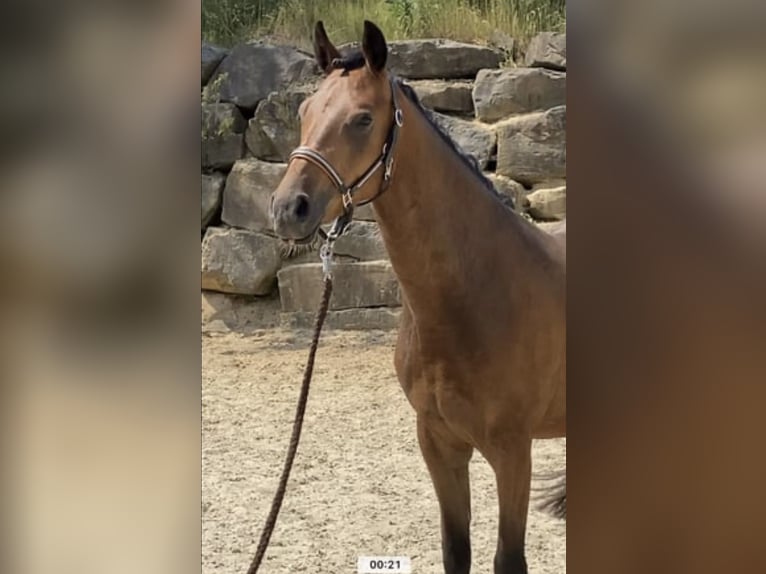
<point>359,485</point>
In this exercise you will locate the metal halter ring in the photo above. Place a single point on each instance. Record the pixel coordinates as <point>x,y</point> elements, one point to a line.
<point>325,254</point>
<point>348,200</point>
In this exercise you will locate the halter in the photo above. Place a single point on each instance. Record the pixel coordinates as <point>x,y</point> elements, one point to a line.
<point>385,160</point>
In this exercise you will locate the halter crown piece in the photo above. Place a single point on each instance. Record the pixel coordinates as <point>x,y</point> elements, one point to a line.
<point>385,160</point>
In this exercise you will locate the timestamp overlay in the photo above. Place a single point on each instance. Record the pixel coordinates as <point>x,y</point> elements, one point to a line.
<point>384,565</point>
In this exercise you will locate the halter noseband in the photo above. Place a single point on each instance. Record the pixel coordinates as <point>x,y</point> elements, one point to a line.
<point>385,159</point>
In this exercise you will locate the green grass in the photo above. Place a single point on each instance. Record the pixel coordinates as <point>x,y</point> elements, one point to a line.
<point>227,22</point>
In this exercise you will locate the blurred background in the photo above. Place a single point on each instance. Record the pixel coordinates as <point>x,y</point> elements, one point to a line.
<point>99,339</point>
<point>666,144</point>
<point>98,249</point>
<point>227,22</point>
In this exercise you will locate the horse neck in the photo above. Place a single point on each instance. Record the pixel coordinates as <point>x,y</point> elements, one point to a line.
<point>439,225</point>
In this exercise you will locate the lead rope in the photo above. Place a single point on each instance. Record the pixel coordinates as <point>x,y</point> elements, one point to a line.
<point>386,160</point>
<point>292,449</point>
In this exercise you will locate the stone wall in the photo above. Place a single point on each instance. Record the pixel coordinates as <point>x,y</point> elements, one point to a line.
<point>509,114</point>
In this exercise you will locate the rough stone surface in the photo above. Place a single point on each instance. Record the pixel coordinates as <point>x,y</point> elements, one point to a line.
<point>361,241</point>
<point>445,96</point>
<point>552,227</point>
<point>498,94</point>
<point>427,59</point>
<point>220,152</point>
<point>547,50</point>
<point>474,138</point>
<point>223,312</point>
<point>548,203</point>
<point>510,188</point>
<point>364,213</point>
<point>532,148</point>
<point>211,57</point>
<point>212,188</point>
<point>366,284</point>
<point>274,130</point>
<point>239,261</point>
<point>362,319</point>
<point>246,197</point>
<point>222,119</point>
<point>252,71</point>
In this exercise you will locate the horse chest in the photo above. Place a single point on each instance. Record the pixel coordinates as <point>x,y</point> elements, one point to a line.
<point>438,376</point>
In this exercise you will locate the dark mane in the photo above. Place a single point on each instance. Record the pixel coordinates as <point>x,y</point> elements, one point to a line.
<point>352,60</point>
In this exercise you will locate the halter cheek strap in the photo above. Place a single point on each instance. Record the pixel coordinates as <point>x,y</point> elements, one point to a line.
<point>385,160</point>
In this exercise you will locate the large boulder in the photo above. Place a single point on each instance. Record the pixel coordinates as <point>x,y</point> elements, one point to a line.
<point>252,71</point>
<point>211,57</point>
<point>438,58</point>
<point>366,284</point>
<point>364,212</point>
<point>532,148</point>
<point>220,119</point>
<point>475,139</point>
<point>239,261</point>
<point>274,131</point>
<point>361,241</point>
<point>362,319</point>
<point>498,94</point>
<point>212,189</point>
<point>223,129</point>
<point>511,189</point>
<point>445,96</point>
<point>547,50</point>
<point>553,227</point>
<point>247,196</point>
<point>220,152</point>
<point>548,203</point>
<point>222,312</point>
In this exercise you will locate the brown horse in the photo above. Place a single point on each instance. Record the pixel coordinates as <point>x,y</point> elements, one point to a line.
<point>481,353</point>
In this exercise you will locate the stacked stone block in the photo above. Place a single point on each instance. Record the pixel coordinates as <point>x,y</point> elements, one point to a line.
<point>510,116</point>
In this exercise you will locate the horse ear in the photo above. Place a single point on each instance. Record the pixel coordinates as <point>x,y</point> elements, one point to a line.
<point>324,51</point>
<point>374,47</point>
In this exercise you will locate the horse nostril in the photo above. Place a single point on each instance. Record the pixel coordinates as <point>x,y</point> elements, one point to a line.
<point>302,206</point>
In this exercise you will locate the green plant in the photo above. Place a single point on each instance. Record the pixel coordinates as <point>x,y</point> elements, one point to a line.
<point>215,129</point>
<point>212,92</point>
<point>212,128</point>
<point>229,21</point>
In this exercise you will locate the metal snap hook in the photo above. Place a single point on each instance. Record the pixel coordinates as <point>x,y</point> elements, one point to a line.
<point>325,254</point>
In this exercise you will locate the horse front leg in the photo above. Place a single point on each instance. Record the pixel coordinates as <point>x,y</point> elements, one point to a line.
<point>511,459</point>
<point>447,460</point>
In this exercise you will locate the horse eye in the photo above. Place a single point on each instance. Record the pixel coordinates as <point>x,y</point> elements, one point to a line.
<point>363,120</point>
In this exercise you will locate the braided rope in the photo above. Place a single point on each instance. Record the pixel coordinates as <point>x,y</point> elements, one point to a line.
<point>276,504</point>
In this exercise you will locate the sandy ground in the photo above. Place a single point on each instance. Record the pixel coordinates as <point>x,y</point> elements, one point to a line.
<point>359,485</point>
